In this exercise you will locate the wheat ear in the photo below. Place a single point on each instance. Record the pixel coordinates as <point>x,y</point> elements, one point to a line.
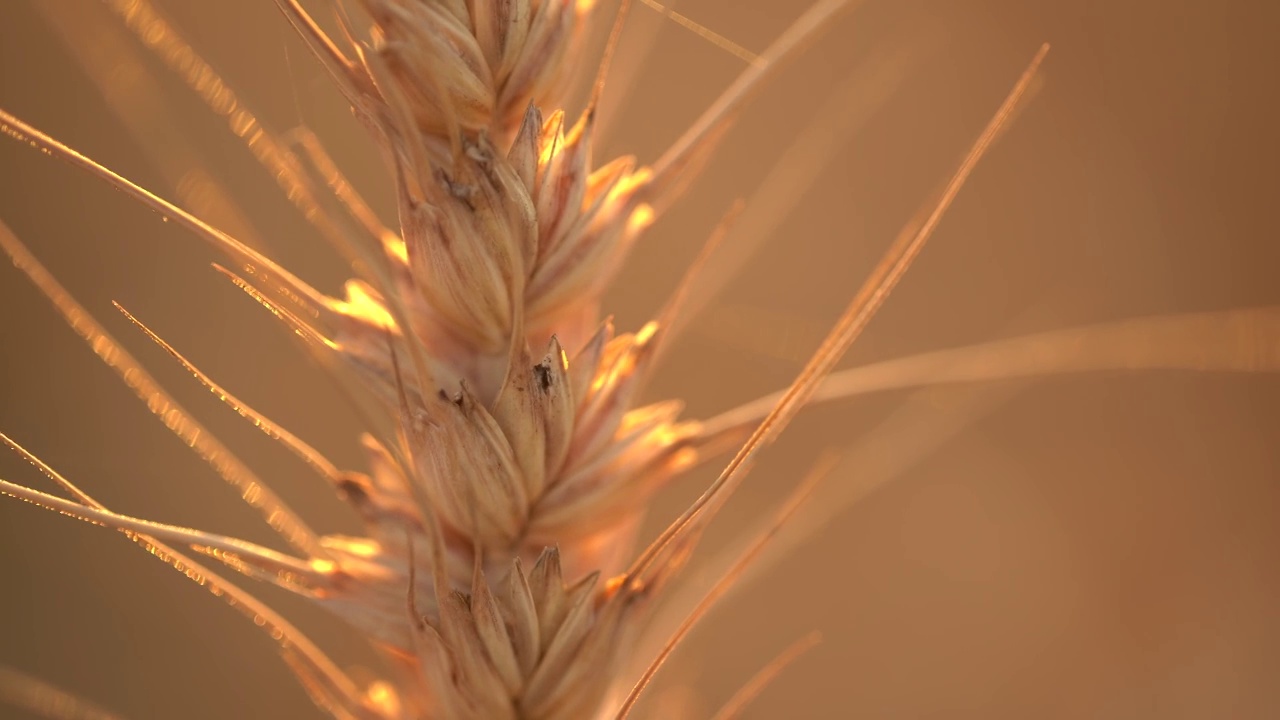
<point>509,457</point>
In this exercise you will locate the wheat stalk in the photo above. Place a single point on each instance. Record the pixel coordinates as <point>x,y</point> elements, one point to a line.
<point>509,457</point>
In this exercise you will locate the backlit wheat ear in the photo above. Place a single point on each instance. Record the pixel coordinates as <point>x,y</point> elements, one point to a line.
<point>509,457</point>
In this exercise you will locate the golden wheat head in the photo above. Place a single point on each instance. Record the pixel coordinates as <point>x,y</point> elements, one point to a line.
<point>509,456</point>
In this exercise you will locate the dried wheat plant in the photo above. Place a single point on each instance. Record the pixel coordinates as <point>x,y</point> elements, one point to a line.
<point>511,450</point>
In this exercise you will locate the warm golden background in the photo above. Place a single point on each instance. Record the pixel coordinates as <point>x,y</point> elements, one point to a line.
<point>1087,547</point>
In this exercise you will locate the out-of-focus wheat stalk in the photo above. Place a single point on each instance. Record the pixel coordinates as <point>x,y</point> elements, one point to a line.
<point>509,456</point>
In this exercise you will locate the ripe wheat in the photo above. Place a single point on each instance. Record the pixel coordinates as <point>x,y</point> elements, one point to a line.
<point>509,455</point>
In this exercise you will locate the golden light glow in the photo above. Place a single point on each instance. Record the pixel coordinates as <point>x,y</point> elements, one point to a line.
<point>360,304</point>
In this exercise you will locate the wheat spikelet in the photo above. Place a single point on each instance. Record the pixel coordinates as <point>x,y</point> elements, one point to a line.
<point>509,459</point>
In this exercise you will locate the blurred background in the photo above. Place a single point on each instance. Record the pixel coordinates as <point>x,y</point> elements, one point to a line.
<point>1095,546</point>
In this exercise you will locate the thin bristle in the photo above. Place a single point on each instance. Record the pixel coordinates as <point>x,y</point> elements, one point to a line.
<point>798,497</point>
<point>697,140</point>
<point>106,53</point>
<point>255,560</point>
<point>279,281</point>
<point>267,149</point>
<point>1245,340</point>
<point>891,268</point>
<point>323,47</point>
<point>252,489</point>
<point>799,167</point>
<point>606,59</point>
<point>734,707</point>
<point>673,316</point>
<point>20,691</point>
<point>355,205</point>
<point>668,11</point>
<point>312,666</point>
<point>322,465</point>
